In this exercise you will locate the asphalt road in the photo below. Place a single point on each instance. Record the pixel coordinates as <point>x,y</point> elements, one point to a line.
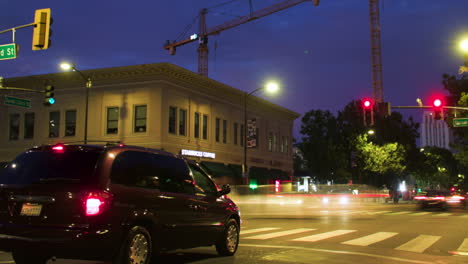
<point>278,230</point>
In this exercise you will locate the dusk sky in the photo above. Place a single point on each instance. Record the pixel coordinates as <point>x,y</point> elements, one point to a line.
<point>321,55</point>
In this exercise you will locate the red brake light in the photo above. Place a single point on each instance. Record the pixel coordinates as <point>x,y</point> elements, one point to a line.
<point>58,148</point>
<point>439,198</point>
<point>93,205</point>
<point>95,202</point>
<point>420,197</point>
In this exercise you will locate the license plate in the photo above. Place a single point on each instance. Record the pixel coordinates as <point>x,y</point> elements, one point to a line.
<point>30,209</point>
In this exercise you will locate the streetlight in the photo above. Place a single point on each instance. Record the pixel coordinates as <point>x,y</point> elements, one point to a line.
<point>88,83</point>
<point>270,87</point>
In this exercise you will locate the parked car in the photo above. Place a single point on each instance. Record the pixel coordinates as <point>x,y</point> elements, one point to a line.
<point>117,203</point>
<point>440,199</point>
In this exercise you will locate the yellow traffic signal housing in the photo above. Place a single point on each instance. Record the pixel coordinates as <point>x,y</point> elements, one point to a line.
<point>42,32</point>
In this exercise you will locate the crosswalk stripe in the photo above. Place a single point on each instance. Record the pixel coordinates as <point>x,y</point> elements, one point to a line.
<point>370,239</point>
<point>421,213</point>
<point>443,214</point>
<point>464,246</point>
<point>281,233</point>
<point>244,232</point>
<point>325,235</point>
<point>419,244</point>
<point>399,213</point>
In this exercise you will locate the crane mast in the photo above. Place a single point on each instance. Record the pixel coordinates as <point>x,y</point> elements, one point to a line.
<point>204,32</point>
<point>376,51</point>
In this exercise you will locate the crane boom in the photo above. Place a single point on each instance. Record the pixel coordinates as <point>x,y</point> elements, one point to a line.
<point>203,34</point>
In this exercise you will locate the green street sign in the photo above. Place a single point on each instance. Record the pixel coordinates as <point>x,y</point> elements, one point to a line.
<point>8,51</point>
<point>8,100</point>
<point>460,122</point>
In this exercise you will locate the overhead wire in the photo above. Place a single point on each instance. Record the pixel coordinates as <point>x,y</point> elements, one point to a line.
<point>222,4</point>
<point>187,28</point>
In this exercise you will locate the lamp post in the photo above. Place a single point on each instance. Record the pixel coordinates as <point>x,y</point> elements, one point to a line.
<point>88,84</point>
<point>270,87</point>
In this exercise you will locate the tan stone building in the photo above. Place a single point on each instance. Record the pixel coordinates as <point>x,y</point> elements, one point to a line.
<point>159,106</point>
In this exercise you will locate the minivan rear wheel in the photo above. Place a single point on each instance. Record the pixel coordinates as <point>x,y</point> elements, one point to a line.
<point>23,257</point>
<point>227,245</point>
<point>137,247</point>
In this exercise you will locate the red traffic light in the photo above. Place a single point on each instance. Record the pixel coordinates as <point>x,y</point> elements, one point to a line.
<point>367,103</point>
<point>437,102</point>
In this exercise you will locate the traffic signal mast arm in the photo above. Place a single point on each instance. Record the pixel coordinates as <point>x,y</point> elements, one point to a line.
<point>238,21</point>
<point>17,89</point>
<point>430,107</point>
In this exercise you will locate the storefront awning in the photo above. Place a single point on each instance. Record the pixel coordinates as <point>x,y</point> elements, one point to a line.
<point>216,169</point>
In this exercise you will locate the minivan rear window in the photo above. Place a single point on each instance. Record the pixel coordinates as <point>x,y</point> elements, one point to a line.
<point>48,167</point>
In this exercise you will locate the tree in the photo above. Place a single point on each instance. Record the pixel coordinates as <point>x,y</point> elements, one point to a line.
<point>381,161</point>
<point>439,168</point>
<point>323,146</point>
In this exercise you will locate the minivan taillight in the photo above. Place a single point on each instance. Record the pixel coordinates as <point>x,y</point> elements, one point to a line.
<point>95,202</point>
<point>92,206</point>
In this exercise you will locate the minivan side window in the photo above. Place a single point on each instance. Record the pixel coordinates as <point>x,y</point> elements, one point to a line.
<point>149,170</point>
<point>203,185</point>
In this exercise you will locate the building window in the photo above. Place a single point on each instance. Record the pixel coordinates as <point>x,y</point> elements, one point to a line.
<point>54,124</point>
<point>286,145</point>
<point>217,129</point>
<point>275,143</point>
<point>28,125</point>
<point>14,126</point>
<point>224,131</point>
<point>282,144</point>
<point>242,137</point>
<point>172,119</point>
<point>270,141</point>
<point>112,120</point>
<point>257,138</point>
<point>182,122</point>
<point>236,126</point>
<point>196,131</point>
<point>205,127</point>
<point>70,123</point>
<point>140,118</point>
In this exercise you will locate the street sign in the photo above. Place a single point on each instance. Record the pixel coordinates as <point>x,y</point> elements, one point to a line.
<point>8,100</point>
<point>8,51</point>
<point>460,122</point>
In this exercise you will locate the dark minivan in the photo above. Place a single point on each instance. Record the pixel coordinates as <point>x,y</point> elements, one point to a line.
<point>120,203</point>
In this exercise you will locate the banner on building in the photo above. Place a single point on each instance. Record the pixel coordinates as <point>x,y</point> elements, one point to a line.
<point>252,133</point>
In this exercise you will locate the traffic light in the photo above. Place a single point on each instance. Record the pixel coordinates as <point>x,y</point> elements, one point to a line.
<point>368,111</point>
<point>49,95</point>
<point>42,31</point>
<point>438,109</point>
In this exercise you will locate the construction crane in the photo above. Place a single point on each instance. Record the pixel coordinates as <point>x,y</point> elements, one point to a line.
<point>376,51</point>
<point>203,32</point>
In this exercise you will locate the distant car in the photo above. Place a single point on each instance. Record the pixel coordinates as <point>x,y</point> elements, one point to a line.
<point>440,199</point>
<point>119,203</point>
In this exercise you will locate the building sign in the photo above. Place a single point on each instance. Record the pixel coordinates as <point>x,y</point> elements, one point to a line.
<point>195,153</point>
<point>252,133</point>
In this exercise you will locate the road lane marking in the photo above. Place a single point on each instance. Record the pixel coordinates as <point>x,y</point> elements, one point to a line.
<point>443,214</point>
<point>370,239</point>
<point>342,252</point>
<point>244,232</point>
<point>419,244</point>
<point>399,213</point>
<point>281,233</point>
<point>325,235</point>
<point>464,246</point>
<point>378,212</point>
<point>422,213</point>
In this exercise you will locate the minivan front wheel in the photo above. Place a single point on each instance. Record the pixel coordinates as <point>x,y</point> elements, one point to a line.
<point>23,257</point>
<point>227,245</point>
<point>136,248</point>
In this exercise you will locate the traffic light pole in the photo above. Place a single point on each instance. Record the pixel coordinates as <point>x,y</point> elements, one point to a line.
<point>16,88</point>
